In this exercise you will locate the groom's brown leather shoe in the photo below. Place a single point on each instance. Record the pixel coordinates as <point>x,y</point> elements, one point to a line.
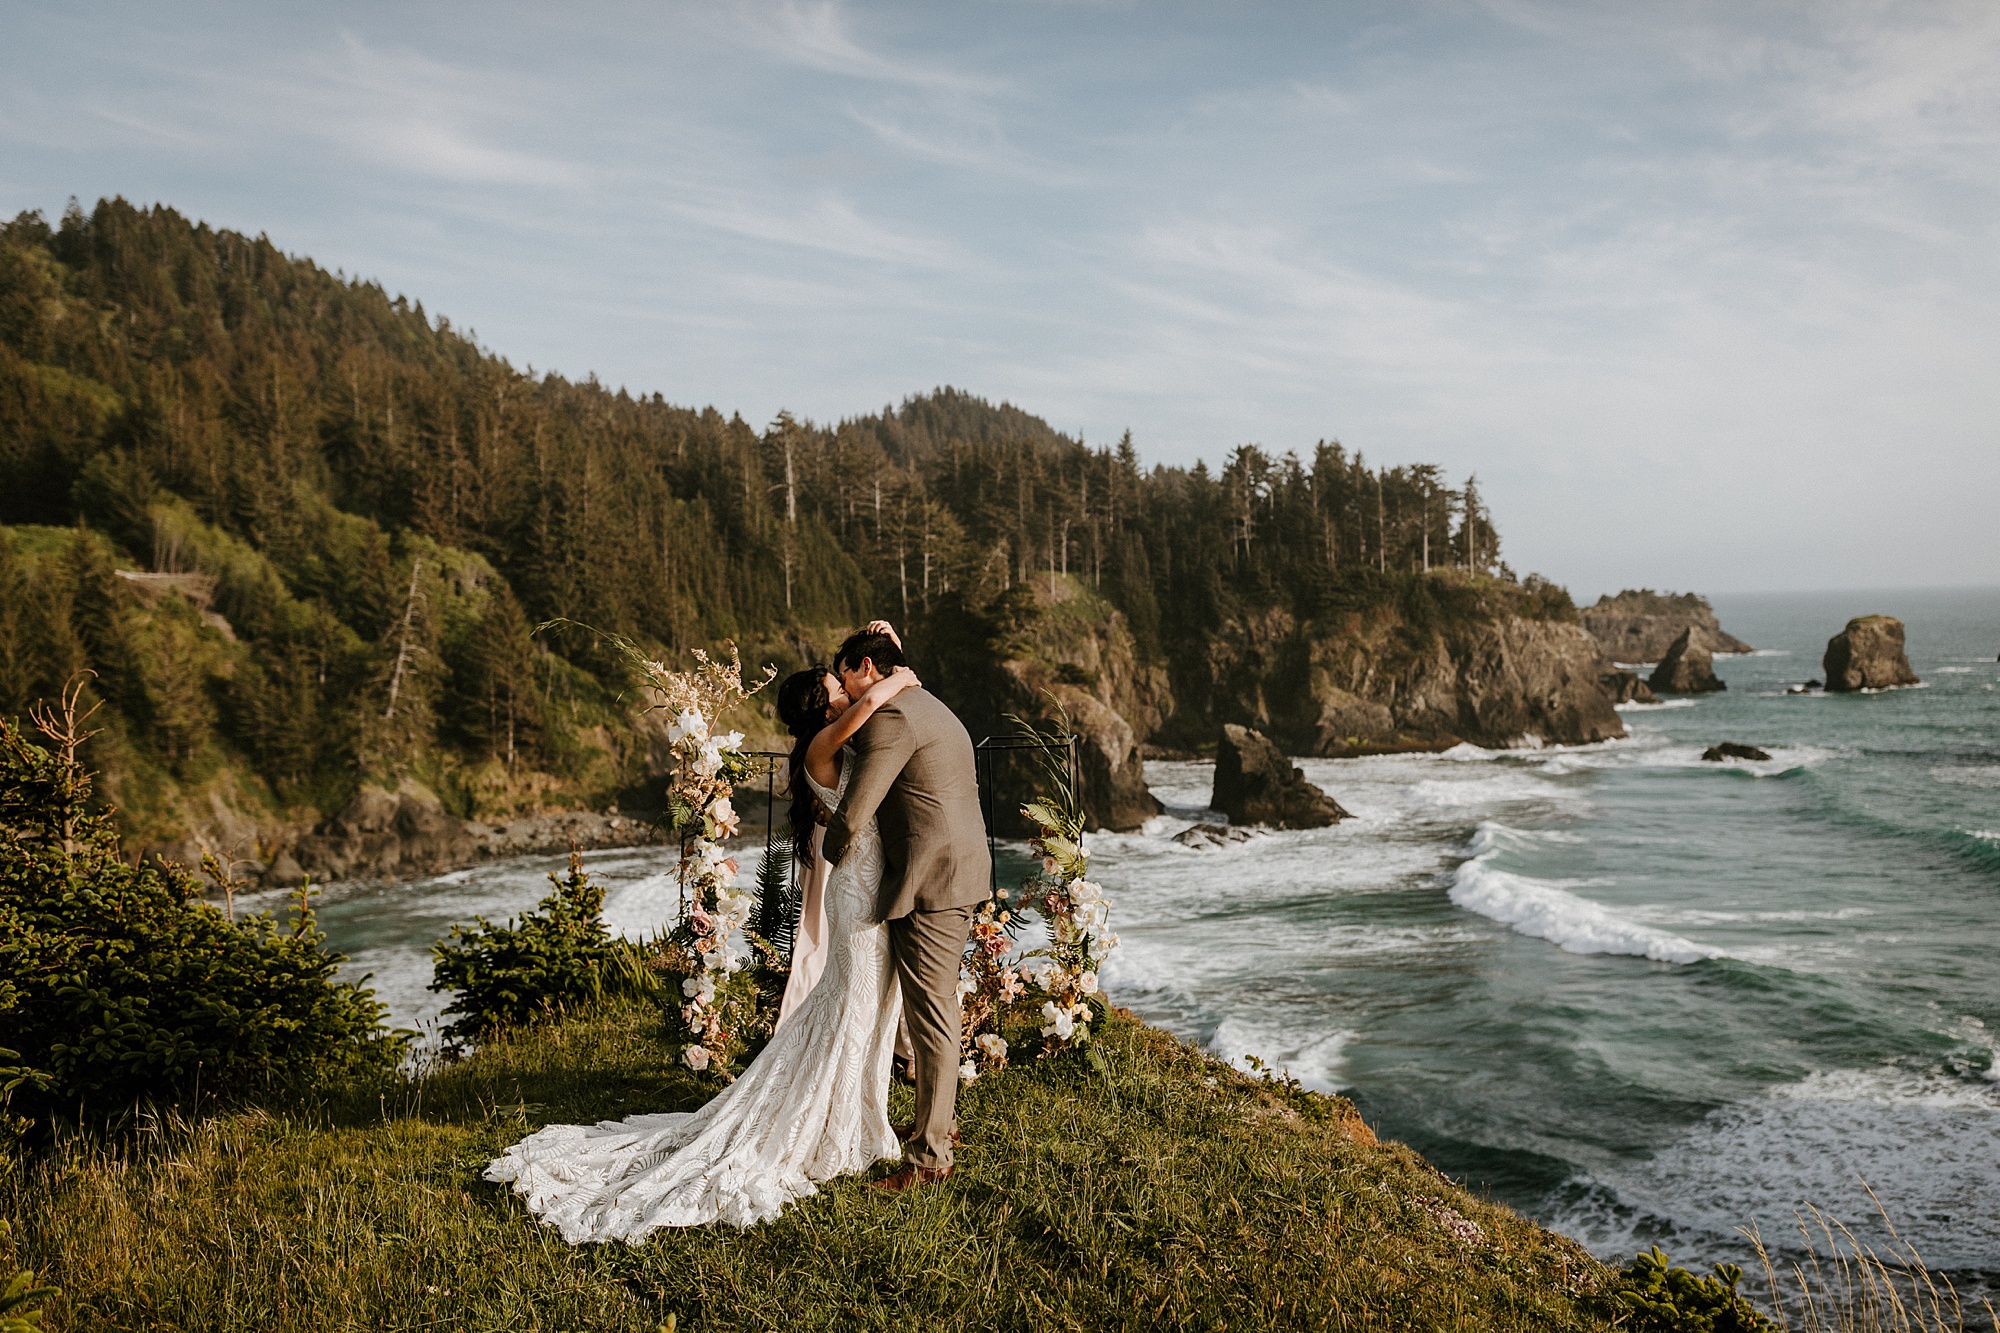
<point>903,1133</point>
<point>909,1176</point>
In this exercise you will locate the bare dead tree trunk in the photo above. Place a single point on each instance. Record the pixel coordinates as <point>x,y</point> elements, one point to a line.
<point>403,646</point>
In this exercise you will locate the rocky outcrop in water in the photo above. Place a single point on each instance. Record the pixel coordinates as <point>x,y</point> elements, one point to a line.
<point>1716,754</point>
<point>1213,837</point>
<point>1868,655</point>
<point>1686,668</point>
<point>1256,784</point>
<point>1639,625</point>
<point>1625,687</point>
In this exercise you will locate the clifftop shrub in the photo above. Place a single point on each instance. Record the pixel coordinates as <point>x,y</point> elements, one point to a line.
<point>536,964</point>
<point>117,984</point>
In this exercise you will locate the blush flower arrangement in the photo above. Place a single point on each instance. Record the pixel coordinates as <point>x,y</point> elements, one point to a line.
<point>1075,910</point>
<point>706,950</point>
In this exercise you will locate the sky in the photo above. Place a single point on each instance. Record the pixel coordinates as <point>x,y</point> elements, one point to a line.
<point>1707,295</point>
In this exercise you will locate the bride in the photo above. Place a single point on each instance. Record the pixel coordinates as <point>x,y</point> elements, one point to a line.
<point>813,1105</point>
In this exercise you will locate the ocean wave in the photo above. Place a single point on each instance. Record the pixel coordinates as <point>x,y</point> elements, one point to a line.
<point>1968,775</point>
<point>1924,1148</point>
<point>1505,788</point>
<point>1314,1061</point>
<point>1952,671</point>
<point>1546,910</point>
<point>1655,706</point>
<point>1651,751</point>
<point>1697,917</point>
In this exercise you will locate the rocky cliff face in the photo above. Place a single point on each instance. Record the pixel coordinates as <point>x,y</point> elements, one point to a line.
<point>1073,646</point>
<point>1378,684</point>
<point>1868,655</point>
<point>1640,625</point>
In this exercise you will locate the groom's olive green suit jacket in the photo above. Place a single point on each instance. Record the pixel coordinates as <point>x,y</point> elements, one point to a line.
<point>914,776</point>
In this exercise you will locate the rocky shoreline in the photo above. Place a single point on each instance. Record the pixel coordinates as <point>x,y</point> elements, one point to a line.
<point>404,835</point>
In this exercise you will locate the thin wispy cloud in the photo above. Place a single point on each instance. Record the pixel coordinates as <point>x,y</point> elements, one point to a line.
<point>829,225</point>
<point>421,116</point>
<point>820,36</point>
<point>1618,260</point>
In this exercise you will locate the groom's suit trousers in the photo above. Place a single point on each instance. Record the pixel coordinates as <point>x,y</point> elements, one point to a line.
<point>925,946</point>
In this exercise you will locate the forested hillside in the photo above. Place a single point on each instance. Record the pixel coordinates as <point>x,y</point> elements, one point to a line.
<point>301,531</point>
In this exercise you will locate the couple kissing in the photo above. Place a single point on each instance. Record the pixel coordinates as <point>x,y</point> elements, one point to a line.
<point>891,849</point>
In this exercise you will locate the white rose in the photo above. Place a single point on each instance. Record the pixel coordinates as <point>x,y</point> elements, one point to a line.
<point>690,987</point>
<point>688,724</point>
<point>1060,1023</point>
<point>696,1057</point>
<point>1087,983</point>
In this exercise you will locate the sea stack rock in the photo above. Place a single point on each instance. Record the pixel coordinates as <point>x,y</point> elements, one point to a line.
<point>1868,655</point>
<point>1256,784</point>
<point>1625,687</point>
<point>1639,625</point>
<point>1686,669</point>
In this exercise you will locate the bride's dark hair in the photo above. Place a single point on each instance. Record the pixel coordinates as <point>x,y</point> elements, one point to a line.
<point>802,705</point>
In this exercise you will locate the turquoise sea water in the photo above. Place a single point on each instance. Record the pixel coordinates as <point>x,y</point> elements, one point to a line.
<point>1636,995</point>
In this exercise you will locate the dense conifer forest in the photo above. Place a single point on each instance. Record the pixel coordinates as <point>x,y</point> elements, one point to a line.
<point>301,531</point>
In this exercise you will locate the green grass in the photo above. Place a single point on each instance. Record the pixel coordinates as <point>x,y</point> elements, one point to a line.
<point>1165,1190</point>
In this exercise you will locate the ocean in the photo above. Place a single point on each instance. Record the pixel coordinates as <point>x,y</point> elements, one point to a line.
<point>1635,995</point>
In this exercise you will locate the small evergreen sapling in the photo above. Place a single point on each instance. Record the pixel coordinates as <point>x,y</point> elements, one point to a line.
<point>119,985</point>
<point>553,958</point>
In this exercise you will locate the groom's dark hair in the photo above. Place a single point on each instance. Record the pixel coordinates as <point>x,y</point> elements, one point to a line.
<point>877,648</point>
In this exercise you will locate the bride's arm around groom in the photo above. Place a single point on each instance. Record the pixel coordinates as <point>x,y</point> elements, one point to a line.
<point>915,777</point>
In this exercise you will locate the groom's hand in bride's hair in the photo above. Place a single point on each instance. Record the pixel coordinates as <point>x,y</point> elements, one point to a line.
<point>884,627</point>
<point>893,684</point>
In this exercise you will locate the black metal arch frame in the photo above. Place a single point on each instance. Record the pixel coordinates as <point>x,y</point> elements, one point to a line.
<point>986,755</point>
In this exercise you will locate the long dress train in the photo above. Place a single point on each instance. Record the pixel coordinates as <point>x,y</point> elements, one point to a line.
<point>813,1105</point>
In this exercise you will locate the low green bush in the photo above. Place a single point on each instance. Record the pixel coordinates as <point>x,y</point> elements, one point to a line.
<point>542,962</point>
<point>119,985</point>
<point>1665,1299</point>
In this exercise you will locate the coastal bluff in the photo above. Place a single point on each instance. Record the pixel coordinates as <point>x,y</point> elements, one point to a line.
<point>1640,625</point>
<point>1868,655</point>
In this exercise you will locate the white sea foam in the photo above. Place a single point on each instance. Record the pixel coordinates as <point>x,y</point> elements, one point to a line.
<point>1547,910</point>
<point>1968,775</point>
<point>1855,1143</point>
<point>1314,1061</point>
<point>1655,706</point>
<point>1952,671</point>
<point>1697,917</point>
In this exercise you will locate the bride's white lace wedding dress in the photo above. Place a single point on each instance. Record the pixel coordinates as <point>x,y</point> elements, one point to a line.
<point>813,1105</point>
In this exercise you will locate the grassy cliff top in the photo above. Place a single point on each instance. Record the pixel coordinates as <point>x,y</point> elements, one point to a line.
<point>1164,1191</point>
<point>1646,602</point>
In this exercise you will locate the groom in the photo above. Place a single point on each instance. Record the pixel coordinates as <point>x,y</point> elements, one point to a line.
<point>914,775</point>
